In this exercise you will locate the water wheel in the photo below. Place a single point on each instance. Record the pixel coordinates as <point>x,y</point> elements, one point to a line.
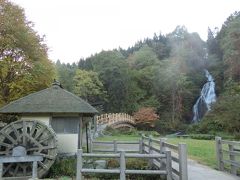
<point>36,137</point>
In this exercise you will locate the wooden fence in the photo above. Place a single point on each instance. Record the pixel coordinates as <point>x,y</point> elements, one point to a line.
<point>114,146</point>
<point>228,154</point>
<point>122,171</point>
<point>149,145</point>
<point>179,154</point>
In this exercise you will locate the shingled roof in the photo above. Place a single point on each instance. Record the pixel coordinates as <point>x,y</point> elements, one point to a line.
<point>51,100</point>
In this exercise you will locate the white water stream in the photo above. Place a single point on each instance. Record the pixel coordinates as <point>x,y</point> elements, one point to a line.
<point>207,97</point>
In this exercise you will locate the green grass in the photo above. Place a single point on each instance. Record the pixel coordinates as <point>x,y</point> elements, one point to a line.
<point>119,138</point>
<point>203,151</point>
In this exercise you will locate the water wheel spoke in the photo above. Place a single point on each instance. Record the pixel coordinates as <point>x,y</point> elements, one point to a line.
<point>6,145</point>
<point>41,148</point>
<point>34,149</point>
<point>7,152</point>
<point>48,147</point>
<point>46,139</point>
<point>3,152</point>
<point>43,165</point>
<point>24,134</point>
<point>15,131</point>
<point>8,137</point>
<point>7,168</point>
<point>24,168</point>
<point>34,140</point>
<point>46,156</point>
<point>40,132</point>
<point>16,170</point>
<point>33,128</point>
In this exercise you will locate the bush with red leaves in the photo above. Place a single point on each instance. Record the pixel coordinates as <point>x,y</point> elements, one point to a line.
<point>146,115</point>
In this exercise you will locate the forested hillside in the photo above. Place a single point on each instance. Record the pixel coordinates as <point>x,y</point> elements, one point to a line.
<point>164,72</point>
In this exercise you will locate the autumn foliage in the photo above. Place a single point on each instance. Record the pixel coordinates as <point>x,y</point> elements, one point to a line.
<point>146,115</point>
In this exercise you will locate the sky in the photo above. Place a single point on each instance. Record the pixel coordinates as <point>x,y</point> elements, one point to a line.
<point>77,29</point>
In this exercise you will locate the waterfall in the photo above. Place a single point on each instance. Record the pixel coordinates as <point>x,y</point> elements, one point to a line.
<point>207,97</point>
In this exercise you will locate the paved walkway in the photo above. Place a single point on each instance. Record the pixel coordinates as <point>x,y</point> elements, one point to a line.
<point>196,171</point>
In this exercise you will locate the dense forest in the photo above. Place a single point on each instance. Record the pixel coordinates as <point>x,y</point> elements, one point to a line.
<point>165,73</point>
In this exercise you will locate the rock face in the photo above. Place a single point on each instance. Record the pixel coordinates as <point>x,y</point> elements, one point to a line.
<point>205,100</point>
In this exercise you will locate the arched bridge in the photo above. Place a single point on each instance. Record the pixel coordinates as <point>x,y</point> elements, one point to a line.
<point>116,120</point>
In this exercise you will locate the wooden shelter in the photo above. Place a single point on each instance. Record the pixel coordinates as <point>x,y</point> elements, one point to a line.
<point>65,112</point>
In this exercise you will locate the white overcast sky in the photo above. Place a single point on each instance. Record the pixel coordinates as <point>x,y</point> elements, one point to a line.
<point>79,28</point>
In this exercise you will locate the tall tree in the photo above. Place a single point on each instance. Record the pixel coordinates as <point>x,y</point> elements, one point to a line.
<point>113,70</point>
<point>143,66</point>
<point>230,44</point>
<point>65,74</point>
<point>24,65</point>
<point>88,86</point>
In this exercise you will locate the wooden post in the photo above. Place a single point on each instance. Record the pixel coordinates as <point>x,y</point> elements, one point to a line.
<point>150,151</point>
<point>80,133</point>
<point>149,144</point>
<point>182,155</point>
<point>232,157</point>
<point>142,141</point>
<point>169,165</point>
<point>95,125</point>
<point>219,154</point>
<point>1,170</point>
<point>162,150</point>
<point>141,146</point>
<point>122,165</point>
<point>87,137</point>
<point>91,144</point>
<point>79,165</point>
<point>162,146</point>
<point>34,170</point>
<point>115,146</point>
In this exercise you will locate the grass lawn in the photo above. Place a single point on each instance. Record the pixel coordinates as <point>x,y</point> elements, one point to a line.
<point>203,151</point>
<point>119,138</point>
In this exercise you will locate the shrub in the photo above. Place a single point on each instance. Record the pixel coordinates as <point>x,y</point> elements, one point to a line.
<point>63,167</point>
<point>146,116</point>
<point>67,167</point>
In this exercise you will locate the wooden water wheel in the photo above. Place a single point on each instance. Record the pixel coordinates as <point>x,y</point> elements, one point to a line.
<point>36,137</point>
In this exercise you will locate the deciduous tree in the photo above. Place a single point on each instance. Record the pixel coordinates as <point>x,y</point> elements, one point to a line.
<point>87,85</point>
<point>24,65</point>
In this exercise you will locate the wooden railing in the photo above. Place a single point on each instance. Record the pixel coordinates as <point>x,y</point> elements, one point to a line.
<point>114,146</point>
<point>228,153</point>
<point>149,145</point>
<point>122,171</point>
<point>179,154</point>
<point>113,118</point>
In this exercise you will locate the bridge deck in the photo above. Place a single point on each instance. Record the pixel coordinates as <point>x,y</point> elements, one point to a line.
<point>116,120</point>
